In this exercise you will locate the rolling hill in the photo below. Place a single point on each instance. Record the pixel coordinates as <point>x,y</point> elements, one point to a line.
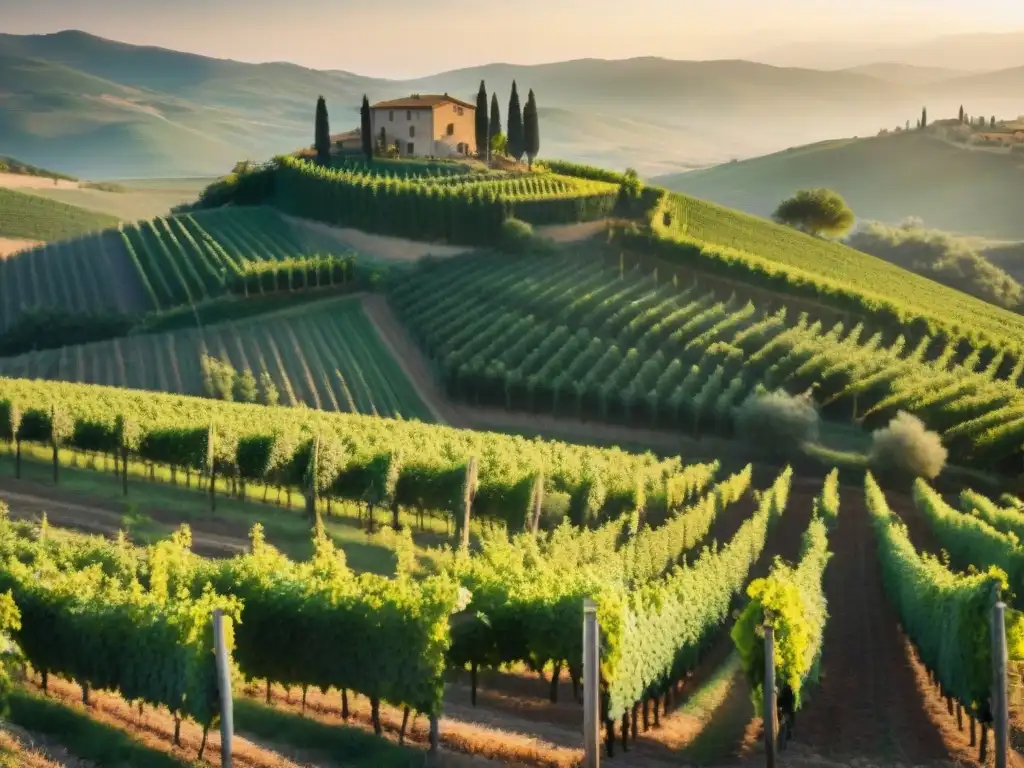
<point>906,74</point>
<point>103,109</point>
<point>127,200</point>
<point>968,51</point>
<point>886,178</point>
<point>36,218</point>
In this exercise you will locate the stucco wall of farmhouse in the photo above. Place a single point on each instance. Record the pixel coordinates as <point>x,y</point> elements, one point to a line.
<point>422,131</point>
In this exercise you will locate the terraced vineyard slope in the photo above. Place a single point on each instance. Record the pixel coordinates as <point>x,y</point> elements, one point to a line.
<point>573,335</point>
<point>426,204</point>
<point>324,355</point>
<point>152,265</point>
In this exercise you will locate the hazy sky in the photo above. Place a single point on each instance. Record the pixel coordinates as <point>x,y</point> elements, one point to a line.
<point>404,38</point>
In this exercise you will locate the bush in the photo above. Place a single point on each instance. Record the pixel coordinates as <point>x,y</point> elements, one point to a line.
<point>906,447</point>
<point>777,422</point>
<point>940,256</point>
<point>244,388</point>
<point>218,378</point>
<point>248,184</point>
<point>517,236</point>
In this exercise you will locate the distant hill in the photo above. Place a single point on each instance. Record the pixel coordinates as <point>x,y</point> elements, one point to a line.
<point>886,178</point>
<point>1003,84</point>
<point>103,109</point>
<point>36,218</point>
<point>906,74</point>
<point>969,51</point>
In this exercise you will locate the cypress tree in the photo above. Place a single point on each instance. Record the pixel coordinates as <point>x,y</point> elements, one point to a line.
<point>322,138</point>
<point>482,126</point>
<point>992,122</point>
<point>531,129</point>
<point>924,117</point>
<point>516,140</point>
<point>961,113</point>
<point>494,126</point>
<point>366,128</point>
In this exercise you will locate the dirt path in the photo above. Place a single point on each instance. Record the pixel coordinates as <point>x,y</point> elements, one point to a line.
<point>12,245</point>
<point>381,246</point>
<point>26,181</point>
<point>33,751</point>
<point>868,703</point>
<point>29,501</point>
<point>155,728</point>
<point>572,233</point>
<point>416,368</point>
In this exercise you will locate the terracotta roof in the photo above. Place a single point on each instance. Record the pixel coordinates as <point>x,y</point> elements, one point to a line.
<point>427,101</point>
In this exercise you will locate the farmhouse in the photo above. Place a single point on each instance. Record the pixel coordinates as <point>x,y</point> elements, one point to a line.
<point>439,126</point>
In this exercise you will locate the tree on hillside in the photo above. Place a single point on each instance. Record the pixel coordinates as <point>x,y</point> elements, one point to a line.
<point>516,140</point>
<point>961,113</point>
<point>322,138</point>
<point>924,117</point>
<point>366,128</point>
<point>531,129</point>
<point>992,122</point>
<point>482,132</point>
<point>818,212</point>
<point>494,125</point>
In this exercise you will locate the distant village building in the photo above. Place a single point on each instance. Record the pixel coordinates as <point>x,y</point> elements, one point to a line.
<point>437,126</point>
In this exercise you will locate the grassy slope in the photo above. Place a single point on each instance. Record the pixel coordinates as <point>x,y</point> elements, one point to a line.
<point>10,165</point>
<point>886,178</point>
<point>37,218</point>
<point>324,355</point>
<point>133,204</point>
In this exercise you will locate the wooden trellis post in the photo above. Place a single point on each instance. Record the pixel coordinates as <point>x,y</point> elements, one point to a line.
<point>591,686</point>
<point>224,684</point>
<point>770,705</point>
<point>1000,698</point>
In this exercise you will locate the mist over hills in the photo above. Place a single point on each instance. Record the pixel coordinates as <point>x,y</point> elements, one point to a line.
<point>975,51</point>
<point>104,109</point>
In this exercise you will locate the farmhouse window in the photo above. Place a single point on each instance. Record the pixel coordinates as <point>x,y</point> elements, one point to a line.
<point>410,149</point>
<point>451,129</point>
<point>408,114</point>
<point>412,131</point>
<point>459,110</point>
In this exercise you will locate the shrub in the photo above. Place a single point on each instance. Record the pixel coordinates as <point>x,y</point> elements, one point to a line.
<point>906,447</point>
<point>943,257</point>
<point>248,184</point>
<point>777,422</point>
<point>218,378</point>
<point>268,394</point>
<point>517,236</point>
<point>244,388</point>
